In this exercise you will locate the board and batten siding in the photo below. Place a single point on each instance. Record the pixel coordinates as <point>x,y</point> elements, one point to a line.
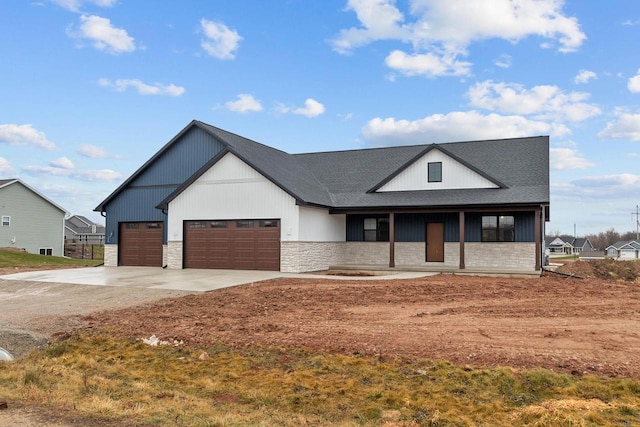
<point>35,223</point>
<point>138,201</point>
<point>317,225</point>
<point>455,175</point>
<point>231,189</point>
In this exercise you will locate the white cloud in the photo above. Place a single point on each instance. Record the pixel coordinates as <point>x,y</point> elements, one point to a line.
<point>75,5</point>
<point>24,135</point>
<point>244,104</point>
<point>567,158</point>
<point>95,152</point>
<point>104,36</point>
<point>427,64</point>
<point>544,102</point>
<point>626,126</point>
<point>380,20</point>
<point>455,126</point>
<point>312,108</point>
<point>584,76</point>
<point>611,186</point>
<point>62,163</point>
<point>634,83</point>
<point>504,61</point>
<point>446,28</point>
<point>79,174</point>
<point>221,42</point>
<point>121,85</point>
<point>5,166</point>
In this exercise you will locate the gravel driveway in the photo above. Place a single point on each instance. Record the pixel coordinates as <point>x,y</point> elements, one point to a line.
<point>30,312</point>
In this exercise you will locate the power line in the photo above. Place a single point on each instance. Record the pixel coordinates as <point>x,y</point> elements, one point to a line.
<point>637,214</point>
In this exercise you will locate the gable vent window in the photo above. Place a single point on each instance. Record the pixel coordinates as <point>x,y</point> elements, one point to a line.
<point>6,221</point>
<point>434,172</point>
<point>376,229</point>
<point>500,228</point>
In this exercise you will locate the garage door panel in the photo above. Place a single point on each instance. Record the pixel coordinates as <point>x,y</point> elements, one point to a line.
<point>239,244</point>
<point>140,244</point>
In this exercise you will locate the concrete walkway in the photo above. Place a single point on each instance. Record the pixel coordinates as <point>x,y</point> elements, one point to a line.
<point>193,280</point>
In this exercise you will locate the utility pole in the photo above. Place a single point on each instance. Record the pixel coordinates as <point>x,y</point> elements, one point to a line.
<point>637,214</point>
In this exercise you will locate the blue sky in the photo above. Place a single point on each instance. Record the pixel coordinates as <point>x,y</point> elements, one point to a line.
<point>91,89</point>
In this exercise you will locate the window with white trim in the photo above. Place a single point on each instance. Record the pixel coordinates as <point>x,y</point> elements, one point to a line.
<point>6,220</point>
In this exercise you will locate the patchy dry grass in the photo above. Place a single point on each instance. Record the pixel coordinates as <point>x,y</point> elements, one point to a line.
<point>11,258</point>
<point>107,378</point>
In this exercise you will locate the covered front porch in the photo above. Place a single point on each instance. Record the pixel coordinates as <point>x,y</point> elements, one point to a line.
<point>457,240</point>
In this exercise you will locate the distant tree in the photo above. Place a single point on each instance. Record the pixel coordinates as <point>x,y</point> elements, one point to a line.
<point>564,237</point>
<point>629,235</point>
<point>604,239</point>
<point>553,234</point>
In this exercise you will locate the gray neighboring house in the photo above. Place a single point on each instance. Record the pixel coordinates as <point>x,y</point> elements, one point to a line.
<point>213,199</point>
<point>29,220</point>
<point>79,229</point>
<point>624,249</point>
<point>581,244</point>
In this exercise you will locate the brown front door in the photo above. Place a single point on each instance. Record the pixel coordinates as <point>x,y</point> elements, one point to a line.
<point>140,244</point>
<point>435,242</point>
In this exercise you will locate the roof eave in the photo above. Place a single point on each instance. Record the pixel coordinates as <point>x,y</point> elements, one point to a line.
<point>464,207</point>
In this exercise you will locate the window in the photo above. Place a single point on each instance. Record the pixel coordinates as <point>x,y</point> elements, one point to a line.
<point>269,224</point>
<point>197,224</point>
<point>498,228</point>
<point>46,251</point>
<point>153,225</point>
<point>434,172</point>
<point>244,224</point>
<point>131,226</point>
<point>376,229</point>
<point>6,220</point>
<point>218,224</point>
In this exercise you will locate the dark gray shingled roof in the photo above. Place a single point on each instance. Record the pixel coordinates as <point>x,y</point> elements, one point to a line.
<point>345,179</point>
<point>520,164</point>
<point>280,167</point>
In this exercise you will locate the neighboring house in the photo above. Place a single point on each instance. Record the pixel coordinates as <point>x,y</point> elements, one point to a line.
<point>624,249</point>
<point>29,220</point>
<point>212,199</point>
<point>557,246</point>
<point>581,244</point>
<point>79,229</point>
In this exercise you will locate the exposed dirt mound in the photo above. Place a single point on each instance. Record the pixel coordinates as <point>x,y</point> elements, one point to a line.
<point>606,269</point>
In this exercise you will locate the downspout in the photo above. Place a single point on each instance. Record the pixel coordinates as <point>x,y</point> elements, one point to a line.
<point>538,233</point>
<point>165,212</point>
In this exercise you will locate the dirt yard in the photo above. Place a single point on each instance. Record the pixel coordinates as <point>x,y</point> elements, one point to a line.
<point>570,325</point>
<point>564,324</point>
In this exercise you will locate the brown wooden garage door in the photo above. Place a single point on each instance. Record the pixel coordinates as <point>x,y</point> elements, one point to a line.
<point>235,245</point>
<point>140,244</point>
